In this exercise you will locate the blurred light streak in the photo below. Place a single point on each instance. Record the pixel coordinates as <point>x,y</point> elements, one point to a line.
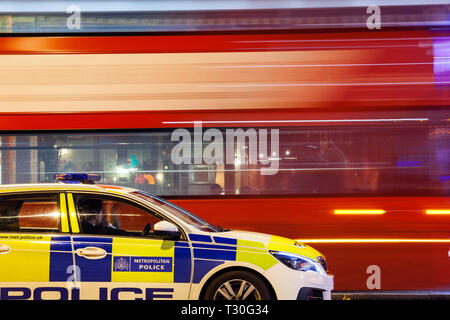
<point>297,121</point>
<point>441,53</point>
<point>340,47</point>
<point>331,65</point>
<point>334,40</point>
<point>332,84</point>
<point>434,211</point>
<point>408,163</point>
<point>360,211</point>
<point>373,240</point>
<point>235,170</point>
<point>220,76</point>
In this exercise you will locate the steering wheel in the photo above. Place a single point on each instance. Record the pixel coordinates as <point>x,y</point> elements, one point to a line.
<point>146,229</point>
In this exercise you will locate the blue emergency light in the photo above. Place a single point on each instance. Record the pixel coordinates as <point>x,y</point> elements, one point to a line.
<point>86,178</point>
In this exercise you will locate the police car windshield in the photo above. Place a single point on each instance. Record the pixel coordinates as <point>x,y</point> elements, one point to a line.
<point>179,212</point>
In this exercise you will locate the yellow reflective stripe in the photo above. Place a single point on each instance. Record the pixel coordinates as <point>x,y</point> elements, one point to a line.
<point>73,214</point>
<point>64,219</point>
<point>7,190</point>
<point>288,245</point>
<point>116,192</point>
<point>254,252</point>
<point>249,243</point>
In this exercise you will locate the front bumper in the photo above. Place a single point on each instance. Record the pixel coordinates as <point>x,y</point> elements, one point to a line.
<point>288,283</point>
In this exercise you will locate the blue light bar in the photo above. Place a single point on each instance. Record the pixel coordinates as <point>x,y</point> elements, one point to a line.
<point>87,178</point>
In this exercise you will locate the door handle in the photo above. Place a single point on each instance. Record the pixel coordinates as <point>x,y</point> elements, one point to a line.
<point>4,248</point>
<point>91,253</point>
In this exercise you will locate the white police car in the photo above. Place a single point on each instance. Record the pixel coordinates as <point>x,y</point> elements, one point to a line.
<point>73,241</point>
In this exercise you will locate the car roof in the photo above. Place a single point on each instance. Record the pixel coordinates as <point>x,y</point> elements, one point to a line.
<point>32,187</point>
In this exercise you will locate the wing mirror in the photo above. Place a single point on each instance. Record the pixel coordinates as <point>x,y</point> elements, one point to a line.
<point>166,230</point>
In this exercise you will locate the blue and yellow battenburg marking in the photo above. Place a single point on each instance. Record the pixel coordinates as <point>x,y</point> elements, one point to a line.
<point>43,258</point>
<point>209,254</point>
<point>127,259</point>
<point>131,260</point>
<point>134,260</point>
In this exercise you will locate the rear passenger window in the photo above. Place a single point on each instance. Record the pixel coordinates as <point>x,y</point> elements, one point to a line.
<point>29,213</point>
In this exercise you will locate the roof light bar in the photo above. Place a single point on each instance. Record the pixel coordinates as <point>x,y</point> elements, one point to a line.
<point>86,178</point>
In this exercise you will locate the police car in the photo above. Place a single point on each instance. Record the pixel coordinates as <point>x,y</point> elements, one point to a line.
<point>72,240</point>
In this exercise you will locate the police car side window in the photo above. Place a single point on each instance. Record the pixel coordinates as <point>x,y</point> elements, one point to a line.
<point>36,213</point>
<point>111,216</point>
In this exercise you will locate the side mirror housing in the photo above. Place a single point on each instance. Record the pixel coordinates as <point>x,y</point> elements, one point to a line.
<point>166,230</point>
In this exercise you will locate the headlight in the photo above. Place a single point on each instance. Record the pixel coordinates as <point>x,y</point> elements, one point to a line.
<point>294,261</point>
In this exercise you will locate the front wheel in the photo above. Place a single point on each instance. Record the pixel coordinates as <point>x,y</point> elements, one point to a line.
<point>237,285</point>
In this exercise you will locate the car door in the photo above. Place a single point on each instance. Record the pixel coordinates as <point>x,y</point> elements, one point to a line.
<point>36,259</point>
<point>115,261</point>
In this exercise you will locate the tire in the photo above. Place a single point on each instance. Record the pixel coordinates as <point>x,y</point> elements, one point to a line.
<point>237,285</point>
